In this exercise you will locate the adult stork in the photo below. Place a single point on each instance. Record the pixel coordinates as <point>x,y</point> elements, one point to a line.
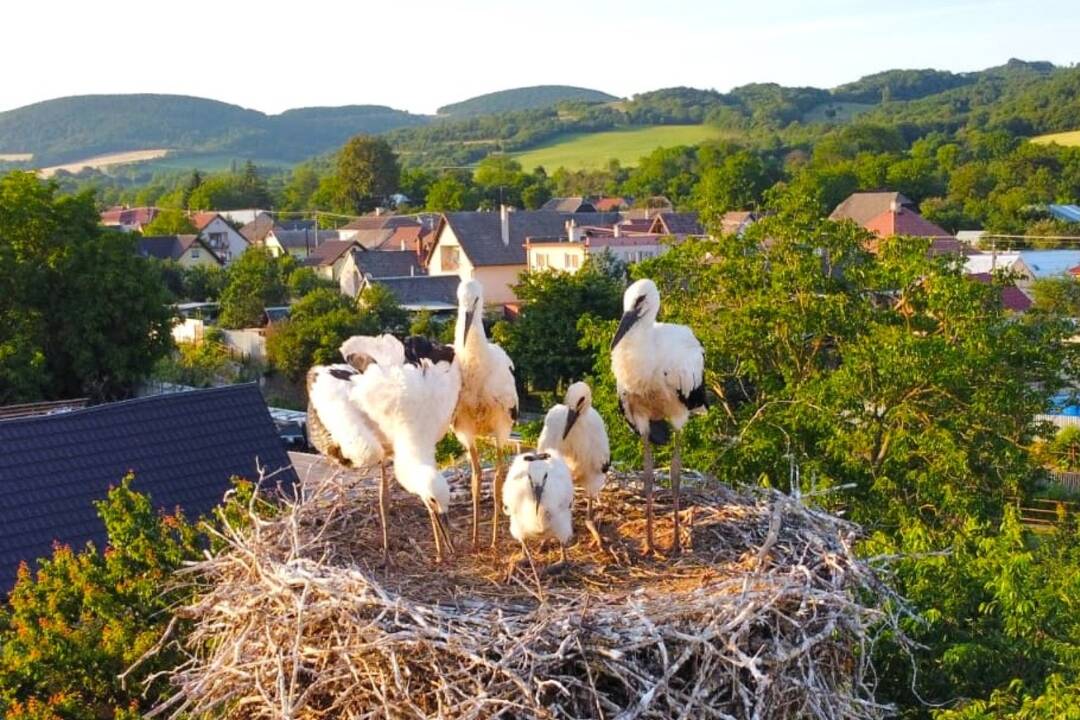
<point>576,431</point>
<point>392,400</point>
<point>488,404</point>
<point>660,377</point>
<point>539,501</point>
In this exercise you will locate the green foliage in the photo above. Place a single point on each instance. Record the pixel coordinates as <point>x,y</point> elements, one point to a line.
<point>304,280</point>
<point>367,174</point>
<point>522,99</point>
<point>322,320</point>
<point>231,190</point>
<point>256,281</point>
<point>449,194</point>
<point>72,627</point>
<point>1059,296</point>
<point>81,314</point>
<point>170,222</point>
<point>543,344</point>
<point>206,364</point>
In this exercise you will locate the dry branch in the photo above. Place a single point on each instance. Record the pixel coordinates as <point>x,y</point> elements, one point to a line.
<point>769,615</point>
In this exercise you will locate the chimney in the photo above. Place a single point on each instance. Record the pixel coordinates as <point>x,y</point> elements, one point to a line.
<point>618,230</point>
<point>570,226</point>
<point>504,223</point>
<point>894,206</point>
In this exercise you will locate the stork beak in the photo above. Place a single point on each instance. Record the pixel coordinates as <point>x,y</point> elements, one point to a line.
<point>628,319</point>
<point>443,523</point>
<point>571,418</point>
<point>469,316</point>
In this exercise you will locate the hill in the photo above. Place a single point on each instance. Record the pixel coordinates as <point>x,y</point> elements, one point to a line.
<point>74,128</point>
<point>627,145</point>
<point>1068,139</point>
<point>526,98</point>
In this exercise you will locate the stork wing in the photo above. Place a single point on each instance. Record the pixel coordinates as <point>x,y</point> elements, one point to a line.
<point>501,384</point>
<point>410,403</point>
<point>346,423</point>
<point>361,350</point>
<point>551,434</point>
<point>684,361</point>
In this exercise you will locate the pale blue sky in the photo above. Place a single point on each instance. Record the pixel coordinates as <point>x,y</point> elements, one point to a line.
<point>419,55</point>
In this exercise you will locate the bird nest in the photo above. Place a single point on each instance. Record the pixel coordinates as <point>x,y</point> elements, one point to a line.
<point>767,613</point>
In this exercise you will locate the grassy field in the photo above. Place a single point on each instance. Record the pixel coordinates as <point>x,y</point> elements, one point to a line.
<point>593,150</point>
<point>101,162</point>
<point>1069,139</point>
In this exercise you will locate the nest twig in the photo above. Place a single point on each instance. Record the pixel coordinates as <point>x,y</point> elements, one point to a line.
<point>769,615</point>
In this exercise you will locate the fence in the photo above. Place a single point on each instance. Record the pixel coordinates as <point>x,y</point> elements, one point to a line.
<point>1068,480</point>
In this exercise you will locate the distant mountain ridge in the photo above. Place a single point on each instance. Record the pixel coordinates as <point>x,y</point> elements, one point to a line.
<point>524,98</point>
<point>74,128</point>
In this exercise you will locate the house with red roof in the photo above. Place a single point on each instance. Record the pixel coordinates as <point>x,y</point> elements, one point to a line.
<point>128,219</point>
<point>226,242</point>
<point>888,214</point>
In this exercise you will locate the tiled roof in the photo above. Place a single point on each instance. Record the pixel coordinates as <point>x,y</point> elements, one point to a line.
<point>905,221</point>
<point>1049,263</point>
<point>330,252</point>
<point>128,216</point>
<point>202,219</point>
<point>608,204</point>
<point>670,223</point>
<point>170,247</point>
<point>255,232</point>
<point>379,222</point>
<point>864,206</point>
<point>423,289</point>
<point>480,233</point>
<point>309,239</point>
<point>569,205</point>
<point>387,263</point>
<point>183,449</point>
<point>405,237</point>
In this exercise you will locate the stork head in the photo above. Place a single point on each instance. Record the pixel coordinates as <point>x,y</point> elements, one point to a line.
<point>431,486</point>
<point>578,400</point>
<point>470,295</point>
<point>641,300</point>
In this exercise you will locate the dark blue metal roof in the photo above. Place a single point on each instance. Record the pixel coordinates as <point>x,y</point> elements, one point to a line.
<point>183,448</point>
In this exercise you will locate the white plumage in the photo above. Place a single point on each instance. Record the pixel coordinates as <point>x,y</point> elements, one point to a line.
<point>488,403</point>
<point>539,500</point>
<point>660,377</point>
<point>576,431</point>
<point>380,407</point>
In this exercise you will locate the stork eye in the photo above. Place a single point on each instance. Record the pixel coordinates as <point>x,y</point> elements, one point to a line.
<point>641,299</point>
<point>529,458</point>
<point>541,456</point>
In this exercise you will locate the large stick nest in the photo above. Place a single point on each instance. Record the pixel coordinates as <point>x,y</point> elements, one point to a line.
<point>769,614</point>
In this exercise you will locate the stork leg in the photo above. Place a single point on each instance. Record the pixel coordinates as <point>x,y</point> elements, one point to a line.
<point>676,479</point>
<point>647,479</point>
<point>435,533</point>
<point>496,494</point>
<point>384,503</point>
<point>474,462</point>
<point>590,524</point>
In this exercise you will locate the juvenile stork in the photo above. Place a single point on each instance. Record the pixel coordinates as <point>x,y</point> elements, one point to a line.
<point>660,377</point>
<point>391,401</point>
<point>539,500</point>
<point>488,404</point>
<point>576,431</point>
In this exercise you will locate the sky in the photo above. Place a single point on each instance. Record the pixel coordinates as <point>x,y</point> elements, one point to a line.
<point>417,56</point>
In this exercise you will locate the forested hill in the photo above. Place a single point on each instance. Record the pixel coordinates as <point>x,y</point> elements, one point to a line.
<point>526,98</point>
<point>74,128</point>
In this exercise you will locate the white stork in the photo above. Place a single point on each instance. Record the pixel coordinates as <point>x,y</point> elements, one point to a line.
<point>660,376</point>
<point>488,404</point>
<point>391,401</point>
<point>577,432</point>
<point>539,500</point>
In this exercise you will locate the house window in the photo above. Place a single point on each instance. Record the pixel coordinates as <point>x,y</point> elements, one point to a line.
<point>217,239</point>
<point>541,260</point>
<point>449,258</point>
<point>572,261</point>
<point>194,253</point>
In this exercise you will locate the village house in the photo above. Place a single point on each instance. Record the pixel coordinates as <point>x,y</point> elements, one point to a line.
<point>680,224</point>
<point>256,230</point>
<point>298,243</point>
<point>219,235</point>
<point>361,266</point>
<point>56,466</point>
<point>1026,266</point>
<point>569,205</point>
<point>735,222</point>
<point>568,253</point>
<point>186,250</point>
<point>888,214</point>
<point>329,259</point>
<point>432,293</point>
<point>129,219</point>
<point>490,246</point>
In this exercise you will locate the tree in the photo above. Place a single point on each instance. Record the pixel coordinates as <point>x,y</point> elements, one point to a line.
<point>449,194</point>
<point>304,280</point>
<point>367,173</point>
<point>70,629</point>
<point>543,344</point>
<point>82,314</point>
<point>170,222</point>
<point>256,281</point>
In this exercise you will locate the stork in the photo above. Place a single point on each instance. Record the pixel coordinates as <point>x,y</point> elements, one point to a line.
<point>660,378</point>
<point>390,401</point>
<point>576,431</point>
<point>488,404</point>
<point>539,499</point>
